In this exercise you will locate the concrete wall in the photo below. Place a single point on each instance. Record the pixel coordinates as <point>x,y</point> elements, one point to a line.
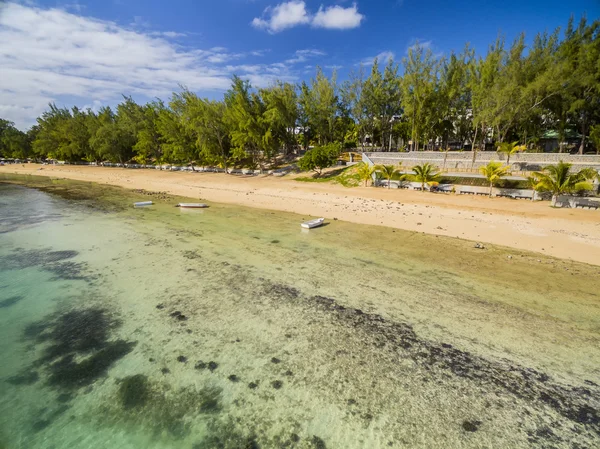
<point>520,194</point>
<point>462,160</point>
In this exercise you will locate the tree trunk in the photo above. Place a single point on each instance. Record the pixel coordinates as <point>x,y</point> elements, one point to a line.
<point>553,202</point>
<point>583,131</point>
<point>491,187</point>
<point>474,148</point>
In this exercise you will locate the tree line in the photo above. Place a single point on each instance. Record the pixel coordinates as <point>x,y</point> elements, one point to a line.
<point>512,95</point>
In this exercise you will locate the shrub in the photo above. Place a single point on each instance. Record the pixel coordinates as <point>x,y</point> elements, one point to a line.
<point>319,158</point>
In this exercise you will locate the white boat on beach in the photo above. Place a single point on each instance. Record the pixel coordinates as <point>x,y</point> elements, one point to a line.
<point>313,223</point>
<point>143,203</point>
<point>192,205</point>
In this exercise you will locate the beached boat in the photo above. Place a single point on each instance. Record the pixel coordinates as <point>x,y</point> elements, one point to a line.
<point>192,205</point>
<point>313,223</point>
<point>143,203</point>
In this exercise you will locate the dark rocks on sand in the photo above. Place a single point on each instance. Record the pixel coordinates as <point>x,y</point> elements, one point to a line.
<point>10,301</point>
<point>179,316</point>
<point>471,426</point>
<point>165,370</point>
<point>277,384</point>
<point>160,306</point>
<point>212,366</point>
<point>134,391</point>
<point>40,425</point>
<point>68,373</point>
<point>182,359</point>
<point>317,442</point>
<point>275,360</point>
<point>289,373</point>
<point>200,365</point>
<point>233,378</point>
<point>253,385</point>
<point>79,331</point>
<point>64,397</point>
<point>294,437</point>
<point>24,378</point>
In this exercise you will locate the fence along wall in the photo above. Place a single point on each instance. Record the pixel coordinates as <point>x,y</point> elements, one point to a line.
<point>460,160</point>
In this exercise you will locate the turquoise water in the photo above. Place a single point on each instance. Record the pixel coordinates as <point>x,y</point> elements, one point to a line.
<point>232,328</point>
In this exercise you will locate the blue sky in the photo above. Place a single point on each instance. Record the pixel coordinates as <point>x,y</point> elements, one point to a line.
<point>88,53</point>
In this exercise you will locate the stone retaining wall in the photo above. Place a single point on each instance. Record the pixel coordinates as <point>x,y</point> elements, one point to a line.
<point>460,160</point>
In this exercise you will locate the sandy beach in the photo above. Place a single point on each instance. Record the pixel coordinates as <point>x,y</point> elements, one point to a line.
<point>563,233</point>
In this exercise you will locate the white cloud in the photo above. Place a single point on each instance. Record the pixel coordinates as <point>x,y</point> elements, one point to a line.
<point>382,58</point>
<point>338,18</point>
<point>304,55</point>
<point>425,45</point>
<point>169,34</point>
<point>51,55</point>
<point>282,16</point>
<point>294,13</point>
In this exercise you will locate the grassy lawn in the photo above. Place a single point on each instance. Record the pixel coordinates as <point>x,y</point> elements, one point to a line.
<point>345,176</point>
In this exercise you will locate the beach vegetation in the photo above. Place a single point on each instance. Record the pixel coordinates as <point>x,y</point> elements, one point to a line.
<point>390,172</point>
<point>346,177</point>
<point>510,148</point>
<point>560,180</point>
<point>494,171</point>
<point>595,137</point>
<point>426,174</point>
<point>365,172</point>
<point>319,158</point>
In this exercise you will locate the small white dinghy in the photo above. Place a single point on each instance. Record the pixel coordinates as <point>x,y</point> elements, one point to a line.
<point>192,205</point>
<point>313,223</point>
<point>143,203</point>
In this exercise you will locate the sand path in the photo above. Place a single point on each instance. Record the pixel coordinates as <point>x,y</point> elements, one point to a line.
<point>521,224</point>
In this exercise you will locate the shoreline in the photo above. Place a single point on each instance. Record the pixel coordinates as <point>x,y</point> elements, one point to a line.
<point>520,224</point>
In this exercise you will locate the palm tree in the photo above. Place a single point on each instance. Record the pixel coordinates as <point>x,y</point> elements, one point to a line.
<point>510,148</point>
<point>493,172</point>
<point>388,172</point>
<point>559,180</point>
<point>365,172</point>
<point>425,174</point>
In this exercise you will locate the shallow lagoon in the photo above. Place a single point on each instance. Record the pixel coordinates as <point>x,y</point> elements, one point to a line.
<point>231,327</point>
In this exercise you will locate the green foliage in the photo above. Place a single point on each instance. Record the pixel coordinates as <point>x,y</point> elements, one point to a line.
<point>389,172</point>
<point>494,172</point>
<point>595,137</point>
<point>558,180</point>
<point>14,143</point>
<point>425,174</point>
<point>319,158</point>
<point>365,172</point>
<point>346,177</point>
<point>510,148</point>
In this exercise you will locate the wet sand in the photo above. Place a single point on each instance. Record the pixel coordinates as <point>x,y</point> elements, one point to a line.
<point>520,224</point>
